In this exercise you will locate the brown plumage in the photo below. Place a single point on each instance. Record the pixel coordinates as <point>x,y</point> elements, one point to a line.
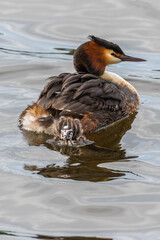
<point>86,100</point>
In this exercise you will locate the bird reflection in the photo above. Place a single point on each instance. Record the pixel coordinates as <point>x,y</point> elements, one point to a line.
<point>43,237</point>
<point>71,238</point>
<point>86,163</point>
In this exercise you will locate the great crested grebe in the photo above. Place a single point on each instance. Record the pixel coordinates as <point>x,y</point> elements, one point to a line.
<point>73,105</point>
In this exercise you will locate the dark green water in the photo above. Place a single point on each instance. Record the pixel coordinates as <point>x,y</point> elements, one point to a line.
<point>110,189</point>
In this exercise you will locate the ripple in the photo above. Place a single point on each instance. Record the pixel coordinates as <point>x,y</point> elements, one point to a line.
<point>109,190</point>
<point>49,55</point>
<point>19,41</point>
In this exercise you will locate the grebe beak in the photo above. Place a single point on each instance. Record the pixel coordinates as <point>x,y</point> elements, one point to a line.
<point>131,59</point>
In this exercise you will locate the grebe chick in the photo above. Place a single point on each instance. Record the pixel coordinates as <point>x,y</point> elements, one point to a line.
<point>86,100</point>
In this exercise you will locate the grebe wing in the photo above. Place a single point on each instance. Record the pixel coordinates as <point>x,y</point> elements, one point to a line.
<point>81,93</point>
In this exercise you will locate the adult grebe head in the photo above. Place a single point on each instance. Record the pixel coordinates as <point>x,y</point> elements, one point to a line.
<point>94,55</point>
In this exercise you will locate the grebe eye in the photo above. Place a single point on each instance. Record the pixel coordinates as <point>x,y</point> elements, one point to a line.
<point>113,54</point>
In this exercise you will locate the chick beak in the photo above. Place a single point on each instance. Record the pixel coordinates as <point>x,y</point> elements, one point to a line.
<point>131,59</point>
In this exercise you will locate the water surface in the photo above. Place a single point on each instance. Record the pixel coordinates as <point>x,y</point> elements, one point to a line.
<point>110,189</point>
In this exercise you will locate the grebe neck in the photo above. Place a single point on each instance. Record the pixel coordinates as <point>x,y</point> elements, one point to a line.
<point>89,58</point>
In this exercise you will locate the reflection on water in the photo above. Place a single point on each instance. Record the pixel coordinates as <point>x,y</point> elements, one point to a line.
<point>40,54</point>
<point>71,238</point>
<point>43,237</point>
<point>83,163</point>
<point>65,192</point>
<point>78,168</point>
<point>66,51</point>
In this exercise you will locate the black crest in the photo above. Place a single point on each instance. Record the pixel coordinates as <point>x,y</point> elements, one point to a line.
<point>106,44</point>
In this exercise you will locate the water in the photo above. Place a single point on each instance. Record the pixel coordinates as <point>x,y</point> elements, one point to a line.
<point>111,189</point>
